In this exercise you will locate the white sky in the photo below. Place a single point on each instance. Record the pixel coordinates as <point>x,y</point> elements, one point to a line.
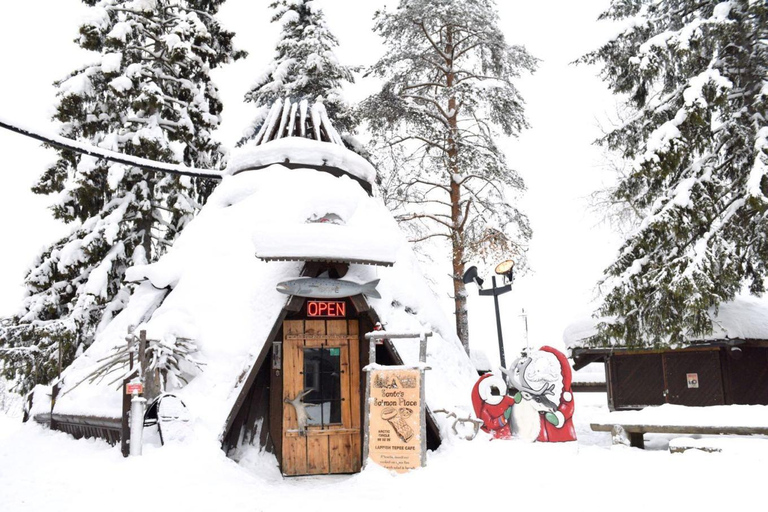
<point>555,157</point>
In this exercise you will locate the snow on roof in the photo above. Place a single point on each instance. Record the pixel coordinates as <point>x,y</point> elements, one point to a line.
<point>579,331</point>
<point>298,151</point>
<point>744,318</point>
<point>224,298</point>
<point>325,242</point>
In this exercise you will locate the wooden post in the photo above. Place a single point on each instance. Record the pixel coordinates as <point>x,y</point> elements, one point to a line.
<point>125,431</point>
<point>423,397</point>
<point>60,356</point>
<point>54,396</point>
<point>142,356</point>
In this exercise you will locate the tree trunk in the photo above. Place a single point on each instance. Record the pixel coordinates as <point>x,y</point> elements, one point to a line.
<point>146,222</point>
<point>459,289</point>
<point>457,220</point>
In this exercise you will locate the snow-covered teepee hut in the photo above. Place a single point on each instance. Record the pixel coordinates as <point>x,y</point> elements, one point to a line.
<point>297,203</point>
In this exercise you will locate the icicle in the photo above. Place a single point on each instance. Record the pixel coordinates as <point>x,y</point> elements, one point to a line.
<point>292,120</point>
<point>303,113</point>
<point>283,118</point>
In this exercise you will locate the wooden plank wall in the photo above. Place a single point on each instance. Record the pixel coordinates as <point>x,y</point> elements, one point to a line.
<point>294,448</point>
<point>746,375</point>
<point>253,419</point>
<point>637,380</point>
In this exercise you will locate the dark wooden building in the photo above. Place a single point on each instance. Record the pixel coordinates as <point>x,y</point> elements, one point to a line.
<point>728,367</point>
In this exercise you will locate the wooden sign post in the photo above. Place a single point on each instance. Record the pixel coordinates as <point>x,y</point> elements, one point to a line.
<point>395,419</point>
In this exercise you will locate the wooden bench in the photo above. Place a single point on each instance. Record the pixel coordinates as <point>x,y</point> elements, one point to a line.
<point>628,427</point>
<point>632,434</point>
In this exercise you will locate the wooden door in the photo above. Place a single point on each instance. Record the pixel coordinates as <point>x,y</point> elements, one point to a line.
<point>321,358</point>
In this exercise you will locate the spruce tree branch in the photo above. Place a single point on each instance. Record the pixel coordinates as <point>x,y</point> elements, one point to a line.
<point>169,125</point>
<point>162,222</point>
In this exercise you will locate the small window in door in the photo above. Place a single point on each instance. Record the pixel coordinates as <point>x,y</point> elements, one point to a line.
<point>322,374</point>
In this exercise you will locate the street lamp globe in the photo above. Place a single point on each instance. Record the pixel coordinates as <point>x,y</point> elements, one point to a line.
<point>506,268</point>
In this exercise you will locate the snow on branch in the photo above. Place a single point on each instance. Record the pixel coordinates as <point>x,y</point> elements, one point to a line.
<point>164,357</point>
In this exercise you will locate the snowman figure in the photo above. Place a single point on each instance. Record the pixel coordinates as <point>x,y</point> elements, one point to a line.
<point>544,380</point>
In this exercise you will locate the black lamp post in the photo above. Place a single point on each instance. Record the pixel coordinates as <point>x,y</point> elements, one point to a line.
<point>506,269</point>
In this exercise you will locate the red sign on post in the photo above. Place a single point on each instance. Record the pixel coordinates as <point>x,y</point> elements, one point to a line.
<point>134,388</point>
<point>326,309</point>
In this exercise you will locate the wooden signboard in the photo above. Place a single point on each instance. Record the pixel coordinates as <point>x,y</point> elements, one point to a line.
<point>394,440</point>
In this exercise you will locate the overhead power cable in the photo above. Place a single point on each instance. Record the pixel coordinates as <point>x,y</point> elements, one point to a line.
<point>112,156</point>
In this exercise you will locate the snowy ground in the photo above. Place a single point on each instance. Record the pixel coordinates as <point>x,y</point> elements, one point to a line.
<point>44,470</point>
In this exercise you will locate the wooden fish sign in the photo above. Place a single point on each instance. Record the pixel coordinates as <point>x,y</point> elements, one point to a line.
<point>324,288</point>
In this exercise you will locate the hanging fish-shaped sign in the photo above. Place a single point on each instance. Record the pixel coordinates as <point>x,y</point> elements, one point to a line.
<point>324,288</point>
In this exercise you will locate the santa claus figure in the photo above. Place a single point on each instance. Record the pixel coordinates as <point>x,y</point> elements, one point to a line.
<point>544,380</point>
<point>493,406</point>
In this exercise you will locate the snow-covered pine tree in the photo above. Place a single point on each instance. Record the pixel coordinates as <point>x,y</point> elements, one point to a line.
<point>304,68</point>
<point>148,94</point>
<point>448,90</point>
<point>695,74</point>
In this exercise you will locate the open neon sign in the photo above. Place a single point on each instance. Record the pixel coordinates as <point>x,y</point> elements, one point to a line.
<point>326,309</point>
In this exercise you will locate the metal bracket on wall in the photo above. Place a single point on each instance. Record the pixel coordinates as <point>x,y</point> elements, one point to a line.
<point>277,355</point>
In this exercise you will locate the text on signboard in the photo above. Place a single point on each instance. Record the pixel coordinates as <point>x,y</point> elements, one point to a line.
<point>326,308</point>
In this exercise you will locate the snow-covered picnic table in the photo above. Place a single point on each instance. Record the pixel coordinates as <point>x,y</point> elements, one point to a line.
<point>628,427</point>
